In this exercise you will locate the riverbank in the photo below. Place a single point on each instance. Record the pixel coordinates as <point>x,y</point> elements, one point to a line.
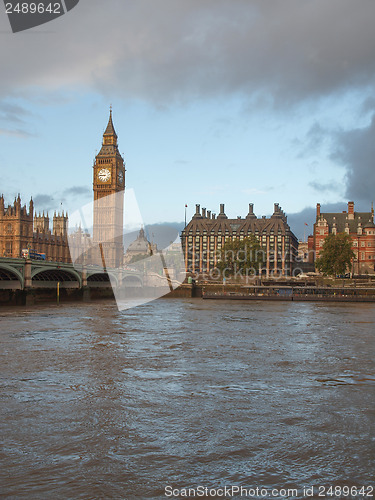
<point>289,291</point>
<point>283,291</point>
<point>31,296</point>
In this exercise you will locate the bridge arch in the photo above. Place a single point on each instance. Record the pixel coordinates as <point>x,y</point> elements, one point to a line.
<point>9,274</point>
<point>43,277</point>
<point>104,278</point>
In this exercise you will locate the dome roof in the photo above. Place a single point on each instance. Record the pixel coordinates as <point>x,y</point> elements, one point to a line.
<point>140,245</point>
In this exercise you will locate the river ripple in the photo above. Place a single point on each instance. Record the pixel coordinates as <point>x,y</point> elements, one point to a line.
<point>97,403</point>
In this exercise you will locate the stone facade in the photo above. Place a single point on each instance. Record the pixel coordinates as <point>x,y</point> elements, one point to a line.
<point>108,186</point>
<point>359,225</point>
<point>20,229</point>
<point>205,235</point>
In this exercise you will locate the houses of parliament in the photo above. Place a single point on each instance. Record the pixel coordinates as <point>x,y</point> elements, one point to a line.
<point>21,228</point>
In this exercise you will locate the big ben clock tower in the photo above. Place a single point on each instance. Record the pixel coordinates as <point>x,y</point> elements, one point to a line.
<point>108,186</point>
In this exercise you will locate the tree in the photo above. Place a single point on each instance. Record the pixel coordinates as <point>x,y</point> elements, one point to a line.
<point>336,254</point>
<point>240,257</point>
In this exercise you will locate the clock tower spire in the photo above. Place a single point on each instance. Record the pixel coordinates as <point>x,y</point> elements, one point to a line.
<point>108,187</point>
<point>110,136</point>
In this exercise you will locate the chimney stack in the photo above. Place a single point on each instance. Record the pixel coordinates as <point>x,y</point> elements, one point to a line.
<point>351,210</point>
<point>251,214</point>
<point>197,214</point>
<point>222,213</point>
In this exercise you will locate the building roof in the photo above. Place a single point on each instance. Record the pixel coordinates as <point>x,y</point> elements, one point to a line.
<point>139,246</point>
<point>342,220</point>
<point>276,224</point>
<point>369,224</point>
<point>109,150</point>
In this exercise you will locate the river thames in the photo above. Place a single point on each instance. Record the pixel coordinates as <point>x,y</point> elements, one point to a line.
<point>187,393</point>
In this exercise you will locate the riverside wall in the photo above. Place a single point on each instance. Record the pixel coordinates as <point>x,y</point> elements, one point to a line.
<point>337,291</point>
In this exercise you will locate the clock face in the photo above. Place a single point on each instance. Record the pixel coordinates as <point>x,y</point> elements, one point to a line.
<point>121,177</point>
<point>104,175</point>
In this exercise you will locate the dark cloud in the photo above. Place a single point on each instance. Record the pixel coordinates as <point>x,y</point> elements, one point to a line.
<point>368,105</point>
<point>77,191</point>
<point>176,50</point>
<point>298,220</point>
<point>313,141</point>
<point>44,202</point>
<point>355,149</point>
<point>12,113</point>
<point>68,199</point>
<point>323,187</point>
<point>13,120</point>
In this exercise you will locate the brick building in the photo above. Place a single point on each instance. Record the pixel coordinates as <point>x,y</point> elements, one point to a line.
<point>20,229</point>
<point>359,225</point>
<point>205,235</point>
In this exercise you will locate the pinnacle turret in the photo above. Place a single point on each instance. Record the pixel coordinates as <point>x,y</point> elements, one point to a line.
<point>110,136</point>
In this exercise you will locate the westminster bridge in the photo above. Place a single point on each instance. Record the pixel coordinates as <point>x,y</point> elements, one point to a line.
<point>23,274</point>
<point>25,281</point>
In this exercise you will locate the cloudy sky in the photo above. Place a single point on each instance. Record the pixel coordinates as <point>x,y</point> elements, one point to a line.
<point>214,101</point>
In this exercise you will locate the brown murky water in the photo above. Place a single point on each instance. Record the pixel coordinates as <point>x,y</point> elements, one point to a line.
<point>97,403</point>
